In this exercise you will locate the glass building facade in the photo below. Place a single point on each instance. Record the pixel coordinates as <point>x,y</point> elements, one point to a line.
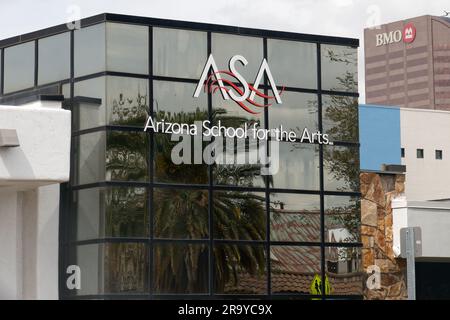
<point>139,226</point>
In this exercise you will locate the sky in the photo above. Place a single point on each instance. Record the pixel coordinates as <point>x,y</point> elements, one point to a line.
<point>346,18</point>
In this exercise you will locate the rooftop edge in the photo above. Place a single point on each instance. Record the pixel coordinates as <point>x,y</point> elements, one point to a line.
<point>158,22</point>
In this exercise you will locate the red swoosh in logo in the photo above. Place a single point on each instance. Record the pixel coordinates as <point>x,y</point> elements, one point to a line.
<point>212,86</point>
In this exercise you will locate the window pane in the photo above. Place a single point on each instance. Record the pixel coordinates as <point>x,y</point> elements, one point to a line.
<point>112,156</point>
<point>233,166</point>
<point>225,46</point>
<point>297,112</point>
<point>341,168</point>
<point>239,215</point>
<point>54,58</point>
<point>238,173</point>
<point>120,101</point>
<point>19,67</point>
<point>344,270</point>
<point>342,219</point>
<point>339,68</point>
<point>240,269</point>
<point>293,63</point>
<point>298,166</point>
<point>294,217</point>
<point>180,268</point>
<point>178,53</point>
<point>233,115</point>
<point>180,213</point>
<point>127,101</point>
<point>90,115</point>
<point>91,157</point>
<point>420,153</point>
<point>175,101</point>
<point>340,118</point>
<point>111,212</point>
<point>85,112</point>
<point>166,169</point>
<point>293,269</point>
<point>127,48</point>
<point>127,156</point>
<point>90,50</point>
<point>112,268</point>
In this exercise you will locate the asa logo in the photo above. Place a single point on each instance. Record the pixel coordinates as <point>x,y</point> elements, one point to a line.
<point>232,85</point>
<point>408,35</point>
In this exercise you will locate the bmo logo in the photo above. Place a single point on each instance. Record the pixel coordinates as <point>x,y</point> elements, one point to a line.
<point>408,35</point>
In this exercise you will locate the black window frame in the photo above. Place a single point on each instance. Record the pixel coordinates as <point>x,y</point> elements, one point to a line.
<point>420,153</point>
<point>438,154</point>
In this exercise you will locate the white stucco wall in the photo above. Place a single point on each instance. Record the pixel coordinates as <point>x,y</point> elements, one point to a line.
<point>29,224</point>
<point>428,178</point>
<point>434,220</point>
<point>29,199</point>
<point>44,136</point>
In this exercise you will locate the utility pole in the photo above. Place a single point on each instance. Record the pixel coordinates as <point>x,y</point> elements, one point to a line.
<point>411,247</point>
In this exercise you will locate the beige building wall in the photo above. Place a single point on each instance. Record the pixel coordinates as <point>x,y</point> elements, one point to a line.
<point>441,60</point>
<point>427,178</point>
<point>413,74</point>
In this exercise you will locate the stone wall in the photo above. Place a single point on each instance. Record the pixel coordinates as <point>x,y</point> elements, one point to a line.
<point>377,191</point>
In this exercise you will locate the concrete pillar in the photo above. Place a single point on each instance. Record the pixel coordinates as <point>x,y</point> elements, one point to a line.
<point>29,228</point>
<point>41,242</point>
<point>10,246</point>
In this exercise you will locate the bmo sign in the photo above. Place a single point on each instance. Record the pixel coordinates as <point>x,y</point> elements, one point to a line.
<point>408,34</point>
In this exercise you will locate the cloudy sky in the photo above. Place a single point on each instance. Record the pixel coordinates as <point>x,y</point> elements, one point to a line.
<point>345,18</point>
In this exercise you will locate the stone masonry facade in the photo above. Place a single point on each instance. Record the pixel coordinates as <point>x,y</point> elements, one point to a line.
<point>377,191</point>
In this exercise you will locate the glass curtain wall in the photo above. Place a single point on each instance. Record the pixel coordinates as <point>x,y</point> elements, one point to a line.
<point>140,226</point>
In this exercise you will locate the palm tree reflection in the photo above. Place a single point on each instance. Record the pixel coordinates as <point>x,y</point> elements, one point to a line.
<point>182,213</point>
